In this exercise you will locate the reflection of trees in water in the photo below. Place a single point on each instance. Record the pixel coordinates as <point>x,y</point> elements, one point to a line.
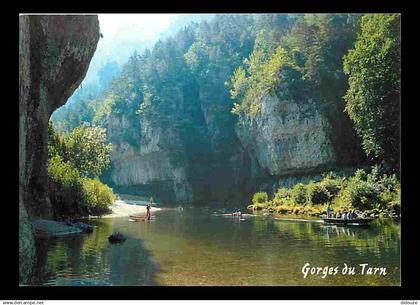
<point>383,236</point>
<point>92,257</point>
<point>190,246</point>
<point>47,250</point>
<point>380,237</point>
<point>303,242</point>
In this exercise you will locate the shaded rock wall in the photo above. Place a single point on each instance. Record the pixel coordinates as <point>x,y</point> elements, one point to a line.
<point>285,139</point>
<point>288,138</point>
<point>202,161</point>
<point>146,168</point>
<point>54,55</point>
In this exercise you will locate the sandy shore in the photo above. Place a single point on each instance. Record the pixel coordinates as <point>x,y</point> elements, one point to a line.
<point>120,208</point>
<point>129,207</point>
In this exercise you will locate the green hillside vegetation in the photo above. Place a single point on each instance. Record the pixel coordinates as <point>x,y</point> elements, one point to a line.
<point>373,192</point>
<point>75,162</point>
<point>373,97</point>
<point>300,59</point>
<point>372,102</point>
<point>348,64</point>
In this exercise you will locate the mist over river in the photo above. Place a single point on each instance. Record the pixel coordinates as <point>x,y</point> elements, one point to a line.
<point>196,247</point>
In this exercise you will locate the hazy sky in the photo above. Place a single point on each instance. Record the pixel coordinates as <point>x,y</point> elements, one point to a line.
<point>146,26</point>
<point>124,33</point>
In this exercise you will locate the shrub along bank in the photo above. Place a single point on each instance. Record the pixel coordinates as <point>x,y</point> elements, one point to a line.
<point>373,193</point>
<point>75,162</point>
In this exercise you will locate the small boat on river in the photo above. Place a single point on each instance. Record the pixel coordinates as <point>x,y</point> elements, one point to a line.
<point>140,218</point>
<point>354,221</point>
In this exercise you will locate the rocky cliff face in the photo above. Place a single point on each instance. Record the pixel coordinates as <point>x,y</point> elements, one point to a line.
<point>142,166</point>
<point>54,55</point>
<point>186,151</point>
<point>288,138</point>
<point>285,142</point>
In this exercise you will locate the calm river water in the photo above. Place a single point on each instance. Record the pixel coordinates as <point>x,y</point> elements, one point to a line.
<point>193,247</point>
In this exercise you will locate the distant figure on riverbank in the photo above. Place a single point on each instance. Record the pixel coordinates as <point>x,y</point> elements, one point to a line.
<point>148,215</point>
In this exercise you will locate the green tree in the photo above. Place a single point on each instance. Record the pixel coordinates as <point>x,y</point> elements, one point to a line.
<point>373,97</point>
<point>87,150</point>
<point>72,156</point>
<point>259,197</point>
<point>299,195</point>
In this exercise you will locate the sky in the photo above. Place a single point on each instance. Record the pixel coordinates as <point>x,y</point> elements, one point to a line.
<point>124,33</point>
<point>147,26</point>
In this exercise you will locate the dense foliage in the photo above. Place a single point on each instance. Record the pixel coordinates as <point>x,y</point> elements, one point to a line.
<point>87,149</point>
<point>373,98</point>
<point>193,87</point>
<point>299,58</point>
<point>299,193</point>
<point>260,197</point>
<point>363,191</point>
<point>84,147</point>
<point>75,162</point>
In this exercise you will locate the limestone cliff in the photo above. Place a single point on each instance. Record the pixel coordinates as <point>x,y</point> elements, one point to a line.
<point>285,142</point>
<point>54,55</point>
<point>142,166</point>
<point>288,138</point>
<point>181,155</point>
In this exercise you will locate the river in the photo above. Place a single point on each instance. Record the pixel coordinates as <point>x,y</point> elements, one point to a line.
<point>193,247</point>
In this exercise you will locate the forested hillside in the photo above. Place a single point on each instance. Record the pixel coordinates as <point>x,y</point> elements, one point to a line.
<point>240,103</point>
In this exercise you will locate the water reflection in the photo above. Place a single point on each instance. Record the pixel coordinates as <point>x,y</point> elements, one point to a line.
<point>89,259</point>
<point>192,247</point>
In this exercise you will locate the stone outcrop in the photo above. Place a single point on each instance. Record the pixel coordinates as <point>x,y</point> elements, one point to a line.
<point>288,138</point>
<point>148,167</point>
<point>54,55</point>
<point>178,165</point>
<point>286,142</point>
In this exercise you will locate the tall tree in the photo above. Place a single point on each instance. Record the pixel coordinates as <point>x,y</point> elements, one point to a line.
<point>373,97</point>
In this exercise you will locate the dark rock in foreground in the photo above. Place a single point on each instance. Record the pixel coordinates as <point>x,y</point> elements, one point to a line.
<point>116,237</point>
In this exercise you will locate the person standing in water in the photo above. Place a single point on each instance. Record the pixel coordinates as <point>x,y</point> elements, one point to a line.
<point>148,215</point>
